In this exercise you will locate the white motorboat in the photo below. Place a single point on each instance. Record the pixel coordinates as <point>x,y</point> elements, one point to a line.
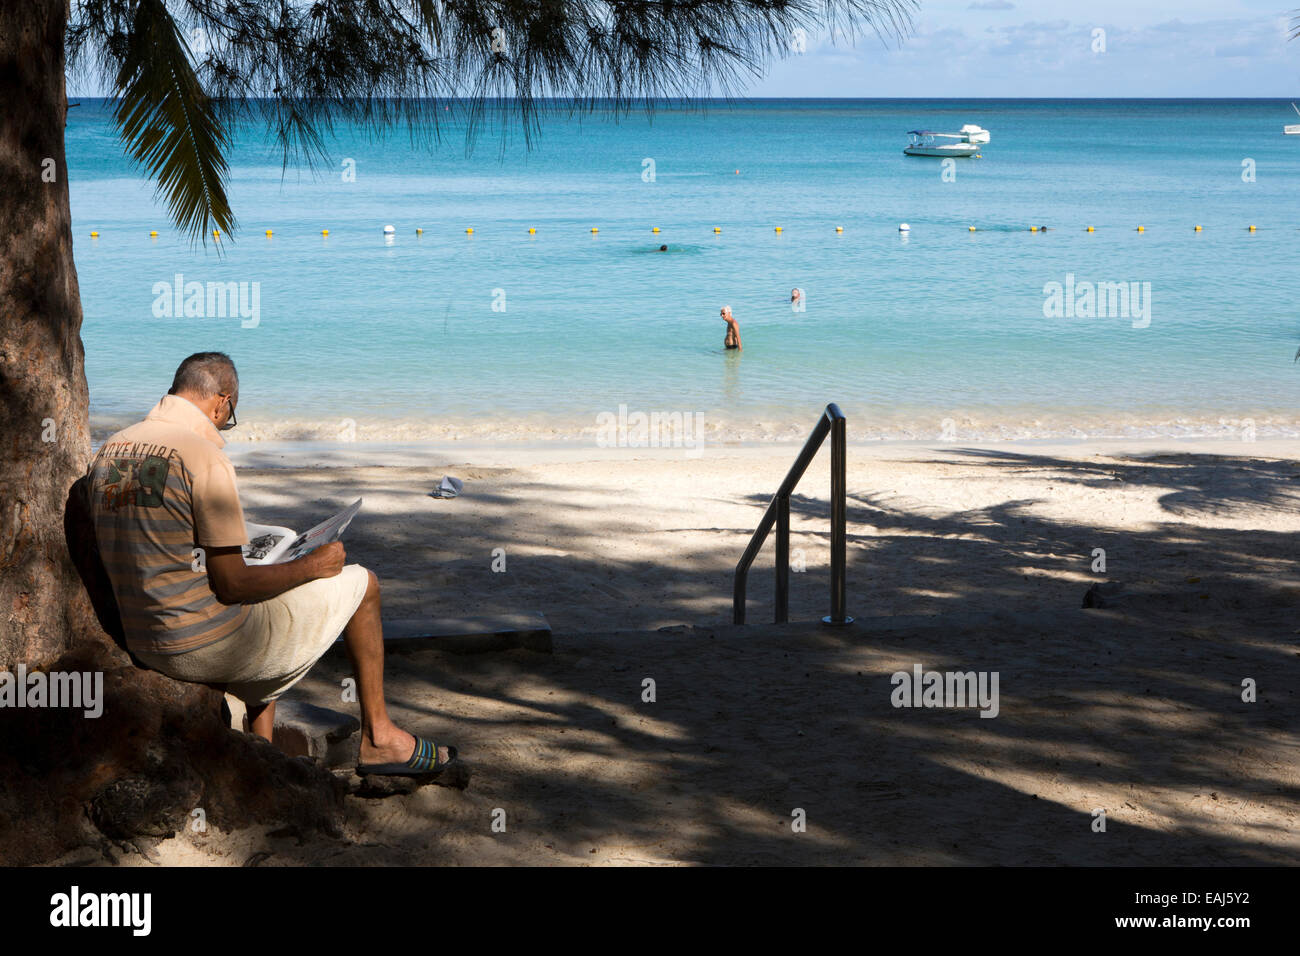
<point>965,143</point>
<point>1294,128</point>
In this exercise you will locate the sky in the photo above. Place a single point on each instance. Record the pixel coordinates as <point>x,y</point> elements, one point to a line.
<point>1047,48</point>
<point>1050,48</point>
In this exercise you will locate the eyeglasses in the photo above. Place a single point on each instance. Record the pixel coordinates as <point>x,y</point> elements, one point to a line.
<point>231,423</point>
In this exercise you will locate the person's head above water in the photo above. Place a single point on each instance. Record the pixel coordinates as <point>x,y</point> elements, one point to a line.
<point>663,248</point>
<point>725,311</point>
<point>795,293</point>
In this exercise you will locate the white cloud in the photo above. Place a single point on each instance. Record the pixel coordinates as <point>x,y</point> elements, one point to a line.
<point>964,56</point>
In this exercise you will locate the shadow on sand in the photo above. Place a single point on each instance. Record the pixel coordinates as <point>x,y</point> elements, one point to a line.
<point>1135,708</point>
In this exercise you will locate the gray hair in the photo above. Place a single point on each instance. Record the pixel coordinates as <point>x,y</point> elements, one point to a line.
<point>206,374</point>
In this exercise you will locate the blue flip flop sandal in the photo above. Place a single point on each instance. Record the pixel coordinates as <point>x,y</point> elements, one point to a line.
<point>423,762</point>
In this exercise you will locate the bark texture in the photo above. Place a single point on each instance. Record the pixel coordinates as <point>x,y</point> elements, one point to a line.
<point>159,750</point>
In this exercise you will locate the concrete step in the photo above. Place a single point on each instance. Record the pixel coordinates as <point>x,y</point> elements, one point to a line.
<point>303,729</point>
<point>306,730</point>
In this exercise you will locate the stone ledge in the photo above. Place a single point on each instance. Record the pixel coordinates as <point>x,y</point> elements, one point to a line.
<point>306,730</point>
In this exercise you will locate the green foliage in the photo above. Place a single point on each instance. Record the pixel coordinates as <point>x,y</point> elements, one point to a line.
<point>168,125</point>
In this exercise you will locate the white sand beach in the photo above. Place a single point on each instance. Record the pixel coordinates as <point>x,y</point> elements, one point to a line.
<point>965,558</point>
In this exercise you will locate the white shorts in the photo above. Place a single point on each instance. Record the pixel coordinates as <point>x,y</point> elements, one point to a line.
<point>280,641</point>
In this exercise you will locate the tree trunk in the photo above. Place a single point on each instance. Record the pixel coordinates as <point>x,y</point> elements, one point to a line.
<point>160,750</point>
<point>43,399</point>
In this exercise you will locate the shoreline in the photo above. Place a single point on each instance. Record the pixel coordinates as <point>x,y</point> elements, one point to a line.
<point>682,427</point>
<point>506,453</point>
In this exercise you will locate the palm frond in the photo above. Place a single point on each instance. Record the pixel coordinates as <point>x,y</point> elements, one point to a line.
<point>169,126</point>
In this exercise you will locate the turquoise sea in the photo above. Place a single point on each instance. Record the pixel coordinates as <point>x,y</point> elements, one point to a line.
<point>503,334</point>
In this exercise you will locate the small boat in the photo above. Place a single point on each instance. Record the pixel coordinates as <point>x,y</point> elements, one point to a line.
<point>967,142</point>
<point>1294,128</point>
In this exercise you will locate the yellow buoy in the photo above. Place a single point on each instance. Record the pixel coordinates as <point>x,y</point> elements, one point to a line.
<point>1033,228</point>
<point>268,233</point>
<point>216,233</point>
<point>419,231</point>
<point>970,228</point>
<point>1090,229</point>
<point>778,228</point>
<point>324,232</point>
<point>839,228</point>
<point>717,229</point>
<point>1196,229</point>
<point>532,231</point>
<point>1252,228</point>
<point>655,229</point>
<point>1142,228</point>
<point>153,232</point>
<point>594,229</point>
<point>94,235</point>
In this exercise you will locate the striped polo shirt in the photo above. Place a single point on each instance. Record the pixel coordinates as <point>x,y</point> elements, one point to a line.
<point>163,490</point>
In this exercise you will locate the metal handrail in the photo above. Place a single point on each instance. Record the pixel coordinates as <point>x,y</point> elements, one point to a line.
<point>778,511</point>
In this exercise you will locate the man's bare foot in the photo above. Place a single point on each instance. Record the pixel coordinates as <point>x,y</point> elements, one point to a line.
<point>394,747</point>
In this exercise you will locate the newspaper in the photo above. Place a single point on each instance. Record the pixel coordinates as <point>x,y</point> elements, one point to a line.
<point>270,544</point>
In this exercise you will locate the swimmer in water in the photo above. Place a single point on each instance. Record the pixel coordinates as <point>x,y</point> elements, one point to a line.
<point>732,341</point>
<point>795,295</point>
<point>663,248</point>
